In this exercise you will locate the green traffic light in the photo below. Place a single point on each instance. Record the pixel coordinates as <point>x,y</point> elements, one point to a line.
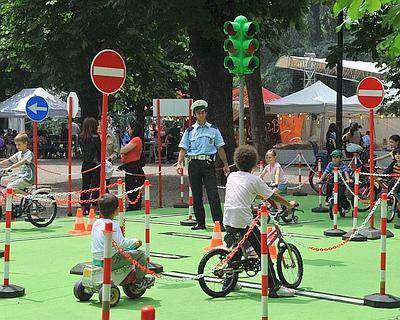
<point>241,45</point>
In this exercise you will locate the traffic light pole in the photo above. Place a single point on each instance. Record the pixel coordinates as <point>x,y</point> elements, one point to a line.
<point>241,110</point>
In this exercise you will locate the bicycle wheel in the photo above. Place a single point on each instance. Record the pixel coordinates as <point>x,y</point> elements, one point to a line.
<point>312,180</point>
<point>289,265</point>
<point>41,213</point>
<point>391,209</point>
<point>363,195</point>
<point>221,282</point>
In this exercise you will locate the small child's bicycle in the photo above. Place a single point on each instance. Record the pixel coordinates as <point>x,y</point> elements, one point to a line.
<point>218,281</point>
<point>40,211</point>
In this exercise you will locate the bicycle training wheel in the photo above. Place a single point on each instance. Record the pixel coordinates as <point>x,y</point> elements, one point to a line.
<point>41,213</point>
<point>222,280</point>
<point>289,265</point>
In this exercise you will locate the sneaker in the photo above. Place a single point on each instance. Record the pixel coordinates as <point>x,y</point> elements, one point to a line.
<point>147,282</point>
<point>285,292</point>
<point>198,227</point>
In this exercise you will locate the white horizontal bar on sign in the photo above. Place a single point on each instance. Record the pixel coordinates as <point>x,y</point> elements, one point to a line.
<point>172,107</point>
<point>108,72</point>
<point>370,93</point>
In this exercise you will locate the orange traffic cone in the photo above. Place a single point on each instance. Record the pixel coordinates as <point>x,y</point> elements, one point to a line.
<point>216,240</point>
<point>92,219</point>
<point>79,226</point>
<point>272,248</point>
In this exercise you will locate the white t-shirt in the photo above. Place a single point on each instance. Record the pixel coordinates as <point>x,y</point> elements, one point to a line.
<point>98,238</point>
<point>241,190</point>
<point>271,172</point>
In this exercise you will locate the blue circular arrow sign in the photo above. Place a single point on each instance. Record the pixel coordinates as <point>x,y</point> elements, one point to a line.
<point>37,109</point>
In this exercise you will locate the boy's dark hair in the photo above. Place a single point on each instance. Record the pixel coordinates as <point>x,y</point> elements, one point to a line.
<point>246,158</point>
<point>396,151</point>
<point>108,203</point>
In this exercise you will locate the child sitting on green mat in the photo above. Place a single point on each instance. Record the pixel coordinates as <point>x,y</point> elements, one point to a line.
<point>108,206</point>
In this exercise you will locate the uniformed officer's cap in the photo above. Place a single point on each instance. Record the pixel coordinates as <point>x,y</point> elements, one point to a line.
<point>199,105</point>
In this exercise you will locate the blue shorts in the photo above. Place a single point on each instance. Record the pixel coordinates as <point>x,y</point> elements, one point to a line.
<point>282,188</point>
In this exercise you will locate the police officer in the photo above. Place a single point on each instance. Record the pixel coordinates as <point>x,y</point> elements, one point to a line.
<point>199,144</point>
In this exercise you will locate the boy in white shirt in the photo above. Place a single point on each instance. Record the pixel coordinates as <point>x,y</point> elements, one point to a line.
<point>108,206</point>
<point>242,188</point>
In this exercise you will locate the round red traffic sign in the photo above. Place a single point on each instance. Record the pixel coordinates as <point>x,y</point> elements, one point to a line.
<point>108,71</point>
<point>370,92</point>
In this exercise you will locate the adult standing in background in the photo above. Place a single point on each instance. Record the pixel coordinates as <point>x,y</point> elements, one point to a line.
<point>113,149</point>
<point>91,157</point>
<point>200,144</point>
<point>133,162</point>
<point>331,139</point>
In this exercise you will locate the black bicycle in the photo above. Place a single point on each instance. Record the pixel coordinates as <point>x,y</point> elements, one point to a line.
<point>39,211</point>
<point>219,278</point>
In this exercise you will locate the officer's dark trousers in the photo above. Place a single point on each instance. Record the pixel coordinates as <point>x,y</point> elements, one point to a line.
<point>203,172</point>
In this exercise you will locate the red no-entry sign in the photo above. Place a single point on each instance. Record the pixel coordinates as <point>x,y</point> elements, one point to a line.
<point>370,92</point>
<point>108,71</point>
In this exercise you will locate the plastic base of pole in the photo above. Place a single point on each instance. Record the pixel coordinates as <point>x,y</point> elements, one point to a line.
<point>188,222</point>
<point>11,291</point>
<point>181,205</point>
<point>334,232</point>
<point>320,209</point>
<point>300,194</point>
<point>157,268</point>
<point>397,225</point>
<point>377,300</point>
<point>357,238</point>
<point>1,253</point>
<point>370,233</point>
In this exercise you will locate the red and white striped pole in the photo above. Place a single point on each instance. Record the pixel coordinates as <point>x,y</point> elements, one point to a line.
<point>264,264</point>
<point>106,288</point>
<point>320,207</point>
<point>189,221</point>
<point>381,299</point>
<point>382,287</point>
<point>181,203</point>
<point>8,290</point>
<point>261,166</point>
<point>335,232</point>
<point>148,313</point>
<point>121,207</point>
<point>7,241</point>
<point>299,192</point>
<point>357,237</point>
<point>147,217</point>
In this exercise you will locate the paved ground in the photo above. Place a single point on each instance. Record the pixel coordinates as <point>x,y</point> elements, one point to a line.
<point>58,180</point>
<point>333,286</point>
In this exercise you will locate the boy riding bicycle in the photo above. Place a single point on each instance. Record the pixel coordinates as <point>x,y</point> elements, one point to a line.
<point>241,189</point>
<point>108,206</point>
<point>23,159</point>
<point>343,169</point>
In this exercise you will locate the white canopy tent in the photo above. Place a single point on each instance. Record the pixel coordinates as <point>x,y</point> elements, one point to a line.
<point>317,99</point>
<point>14,107</point>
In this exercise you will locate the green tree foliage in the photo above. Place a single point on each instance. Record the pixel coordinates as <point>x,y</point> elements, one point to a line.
<point>388,10</point>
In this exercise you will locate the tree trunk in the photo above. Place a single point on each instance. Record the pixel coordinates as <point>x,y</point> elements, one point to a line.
<point>263,131</point>
<point>257,113</point>
<point>214,85</point>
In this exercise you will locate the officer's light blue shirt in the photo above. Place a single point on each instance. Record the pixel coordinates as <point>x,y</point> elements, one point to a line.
<point>201,140</point>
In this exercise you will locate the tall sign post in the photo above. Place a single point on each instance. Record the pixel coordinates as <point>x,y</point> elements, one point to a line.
<point>72,108</point>
<point>37,110</point>
<point>241,47</point>
<point>370,93</point>
<point>108,73</point>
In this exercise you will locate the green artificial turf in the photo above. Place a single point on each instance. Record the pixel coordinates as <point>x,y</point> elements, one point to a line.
<point>42,258</point>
